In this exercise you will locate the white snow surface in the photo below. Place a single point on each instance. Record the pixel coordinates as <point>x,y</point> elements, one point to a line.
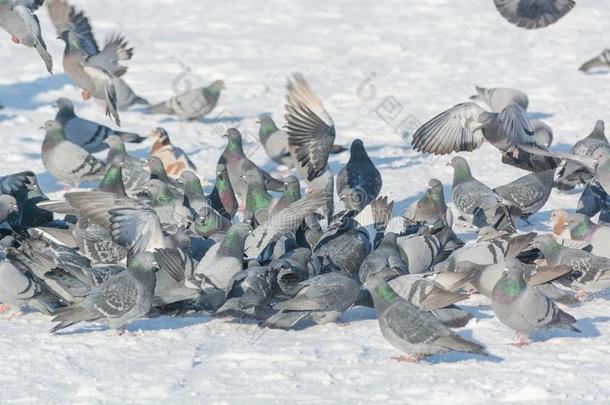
<point>426,55</point>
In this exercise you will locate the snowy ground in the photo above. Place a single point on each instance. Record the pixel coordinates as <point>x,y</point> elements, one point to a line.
<point>420,57</point>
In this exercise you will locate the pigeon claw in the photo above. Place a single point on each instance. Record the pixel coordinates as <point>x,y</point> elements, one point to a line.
<point>85,94</point>
<point>4,308</point>
<point>520,342</point>
<point>582,295</point>
<point>15,39</point>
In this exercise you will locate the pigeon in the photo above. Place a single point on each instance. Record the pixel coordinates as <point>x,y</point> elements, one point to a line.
<point>238,164</point>
<point>416,332</point>
<point>571,174</point>
<point>193,104</point>
<point>466,126</point>
<point>221,263</point>
<point>581,228</point>
<point>498,98</point>
<point>530,192</point>
<point>209,222</point>
<point>311,134</point>
<point>427,295</point>
<point>593,200</point>
<point>18,19</point>
<point>421,252</point>
<point>282,222</point>
<point>87,134</point>
<point>252,292</point>
<point>542,133</point>
<point>598,163</point>
<point>474,200</point>
<point>222,198</point>
<point>67,18</point>
<point>321,299</point>
<point>532,14</point>
<point>590,273</point>
<point>275,141</point>
<point>291,194</point>
<point>524,308</point>
<point>193,191</point>
<point>358,182</point>
<point>92,69</point>
<point>121,299</point>
<point>175,271</point>
<point>343,247</point>
<point>601,61</point>
<point>385,256</point>
<point>67,161</point>
<point>8,205</point>
<point>174,159</point>
<point>18,289</point>
<point>431,208</point>
<point>134,171</point>
<point>258,200</point>
<point>157,171</point>
<point>24,187</point>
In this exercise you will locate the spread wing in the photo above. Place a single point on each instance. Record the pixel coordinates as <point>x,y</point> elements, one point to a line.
<point>454,130</point>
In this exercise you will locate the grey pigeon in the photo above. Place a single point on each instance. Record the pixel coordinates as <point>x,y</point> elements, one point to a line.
<point>476,202</point>
<point>530,192</point>
<point>416,332</point>
<point>237,164</point>
<point>571,174</point>
<point>524,308</point>
<point>193,191</point>
<point>176,269</point>
<point>134,171</point>
<point>252,292</point>
<point>581,228</point>
<point>422,252</point>
<point>87,134</point>
<point>290,194</point>
<point>221,263</point>
<point>18,19</point>
<point>311,134</point>
<point>222,198</point>
<point>431,208</point>
<point>275,141</point>
<point>385,256</point>
<point>19,289</point>
<point>343,247</point>
<point>320,299</point>
<point>67,161</point>
<point>192,105</point>
<point>466,126</point>
<point>92,69</point>
<point>531,14</point>
<point>282,222</point>
<point>498,98</point>
<point>543,134</point>
<point>67,18</point>
<point>427,295</point>
<point>590,273</point>
<point>358,182</point>
<point>601,61</point>
<point>121,299</point>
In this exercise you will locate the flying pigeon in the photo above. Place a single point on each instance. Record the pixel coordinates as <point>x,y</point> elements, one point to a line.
<point>498,98</point>
<point>532,14</point>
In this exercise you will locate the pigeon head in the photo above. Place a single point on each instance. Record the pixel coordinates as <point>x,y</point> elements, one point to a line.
<point>207,223</point>
<point>158,192</point>
<point>71,40</point>
<point>63,103</point>
<point>511,284</point>
<point>8,204</point>
<point>267,126</point>
<point>161,135</point>
<point>216,87</point>
<point>157,169</point>
<point>115,142</point>
<point>291,183</point>
<point>357,151</point>
<point>547,244</point>
<point>235,140</point>
<point>54,134</point>
<point>461,170</point>
<point>580,226</point>
<point>377,284</point>
<point>143,263</point>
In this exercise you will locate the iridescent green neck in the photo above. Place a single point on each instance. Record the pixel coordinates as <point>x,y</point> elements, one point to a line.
<point>257,198</point>
<point>112,180</point>
<point>267,128</point>
<point>214,90</point>
<point>461,173</point>
<point>583,231</point>
<point>385,292</point>
<point>508,289</point>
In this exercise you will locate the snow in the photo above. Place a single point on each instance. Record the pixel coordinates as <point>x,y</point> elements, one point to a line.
<point>421,56</point>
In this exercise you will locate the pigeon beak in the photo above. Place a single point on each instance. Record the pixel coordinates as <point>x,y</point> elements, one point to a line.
<point>41,128</point>
<point>448,164</point>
